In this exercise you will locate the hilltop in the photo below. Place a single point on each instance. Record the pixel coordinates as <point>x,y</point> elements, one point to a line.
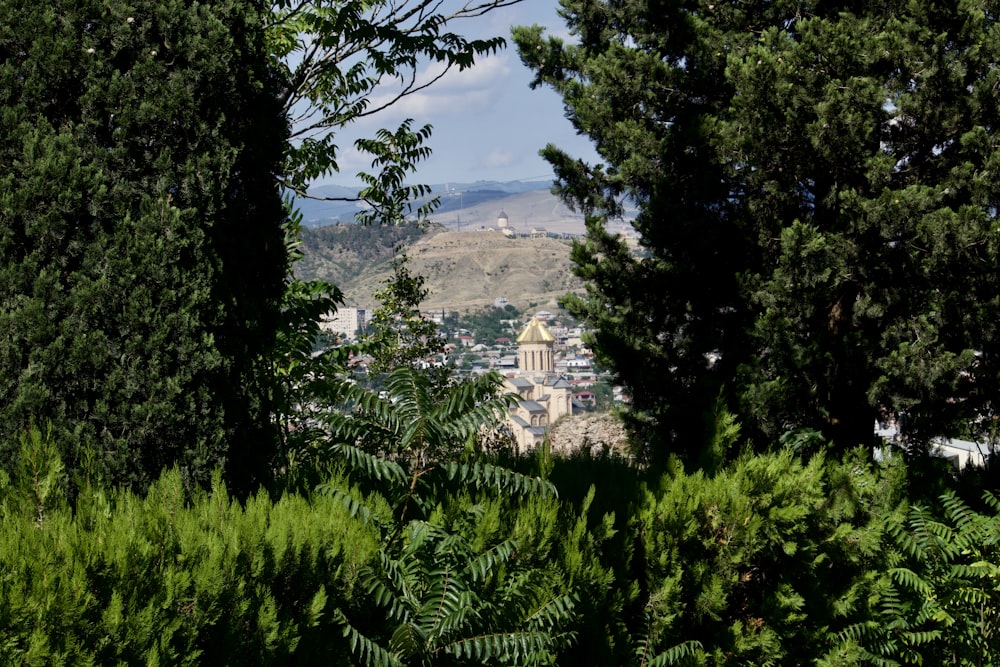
<point>463,206</point>
<point>525,210</point>
<point>453,198</point>
<point>340,254</point>
<point>463,270</point>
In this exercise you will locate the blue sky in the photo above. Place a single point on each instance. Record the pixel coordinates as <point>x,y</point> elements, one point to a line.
<point>488,124</point>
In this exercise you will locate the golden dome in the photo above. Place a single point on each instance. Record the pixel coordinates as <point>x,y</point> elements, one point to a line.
<point>536,332</point>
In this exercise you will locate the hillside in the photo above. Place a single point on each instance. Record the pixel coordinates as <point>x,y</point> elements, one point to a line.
<point>340,253</point>
<point>463,270</point>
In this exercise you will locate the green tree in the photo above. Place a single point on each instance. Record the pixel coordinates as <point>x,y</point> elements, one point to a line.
<point>398,334</point>
<point>489,323</point>
<point>142,252</point>
<point>817,208</point>
<point>141,249</point>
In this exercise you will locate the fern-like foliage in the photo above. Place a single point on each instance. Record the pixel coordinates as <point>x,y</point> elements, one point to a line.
<point>444,602</point>
<point>485,475</point>
<point>675,655</point>
<point>369,465</point>
<point>409,436</point>
<point>648,654</point>
<point>444,598</point>
<point>940,602</point>
<point>414,417</point>
<point>367,651</point>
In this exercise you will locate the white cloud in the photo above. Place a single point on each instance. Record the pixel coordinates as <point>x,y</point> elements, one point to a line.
<point>500,158</point>
<point>456,93</point>
<point>487,123</point>
<point>351,161</point>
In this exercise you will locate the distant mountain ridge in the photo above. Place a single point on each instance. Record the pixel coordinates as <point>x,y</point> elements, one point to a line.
<point>454,197</point>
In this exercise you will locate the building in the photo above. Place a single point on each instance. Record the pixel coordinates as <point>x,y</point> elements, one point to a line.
<point>344,321</point>
<point>543,396</point>
<point>961,453</point>
<point>503,224</point>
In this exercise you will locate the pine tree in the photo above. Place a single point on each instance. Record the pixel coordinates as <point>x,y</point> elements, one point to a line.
<point>141,250</point>
<point>817,208</point>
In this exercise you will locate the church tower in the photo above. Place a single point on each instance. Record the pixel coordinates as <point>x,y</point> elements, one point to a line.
<point>543,396</point>
<point>535,348</point>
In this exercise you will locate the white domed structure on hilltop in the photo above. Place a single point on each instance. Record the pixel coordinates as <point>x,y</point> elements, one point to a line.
<point>502,220</point>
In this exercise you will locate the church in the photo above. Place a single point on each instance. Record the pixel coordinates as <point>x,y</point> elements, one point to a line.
<point>543,396</point>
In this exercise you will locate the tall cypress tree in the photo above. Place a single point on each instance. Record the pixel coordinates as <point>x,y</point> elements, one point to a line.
<point>141,249</point>
<point>818,206</point>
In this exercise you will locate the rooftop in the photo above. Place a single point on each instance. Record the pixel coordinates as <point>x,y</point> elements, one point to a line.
<point>536,332</point>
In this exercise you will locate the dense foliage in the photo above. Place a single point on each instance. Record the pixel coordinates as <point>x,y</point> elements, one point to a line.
<point>339,575</point>
<point>141,250</point>
<point>938,599</point>
<point>141,260</point>
<point>340,252</point>
<point>487,324</point>
<point>771,559</point>
<point>173,579</point>
<point>817,209</point>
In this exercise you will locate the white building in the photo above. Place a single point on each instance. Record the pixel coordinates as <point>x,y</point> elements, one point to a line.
<point>503,224</point>
<point>961,453</point>
<point>344,321</point>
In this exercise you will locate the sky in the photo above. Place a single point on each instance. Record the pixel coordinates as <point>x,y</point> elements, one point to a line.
<point>488,124</point>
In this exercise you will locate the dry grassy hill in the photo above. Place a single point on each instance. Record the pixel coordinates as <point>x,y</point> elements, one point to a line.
<point>463,270</point>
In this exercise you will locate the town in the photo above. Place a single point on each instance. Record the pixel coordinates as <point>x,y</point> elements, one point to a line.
<point>542,357</point>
